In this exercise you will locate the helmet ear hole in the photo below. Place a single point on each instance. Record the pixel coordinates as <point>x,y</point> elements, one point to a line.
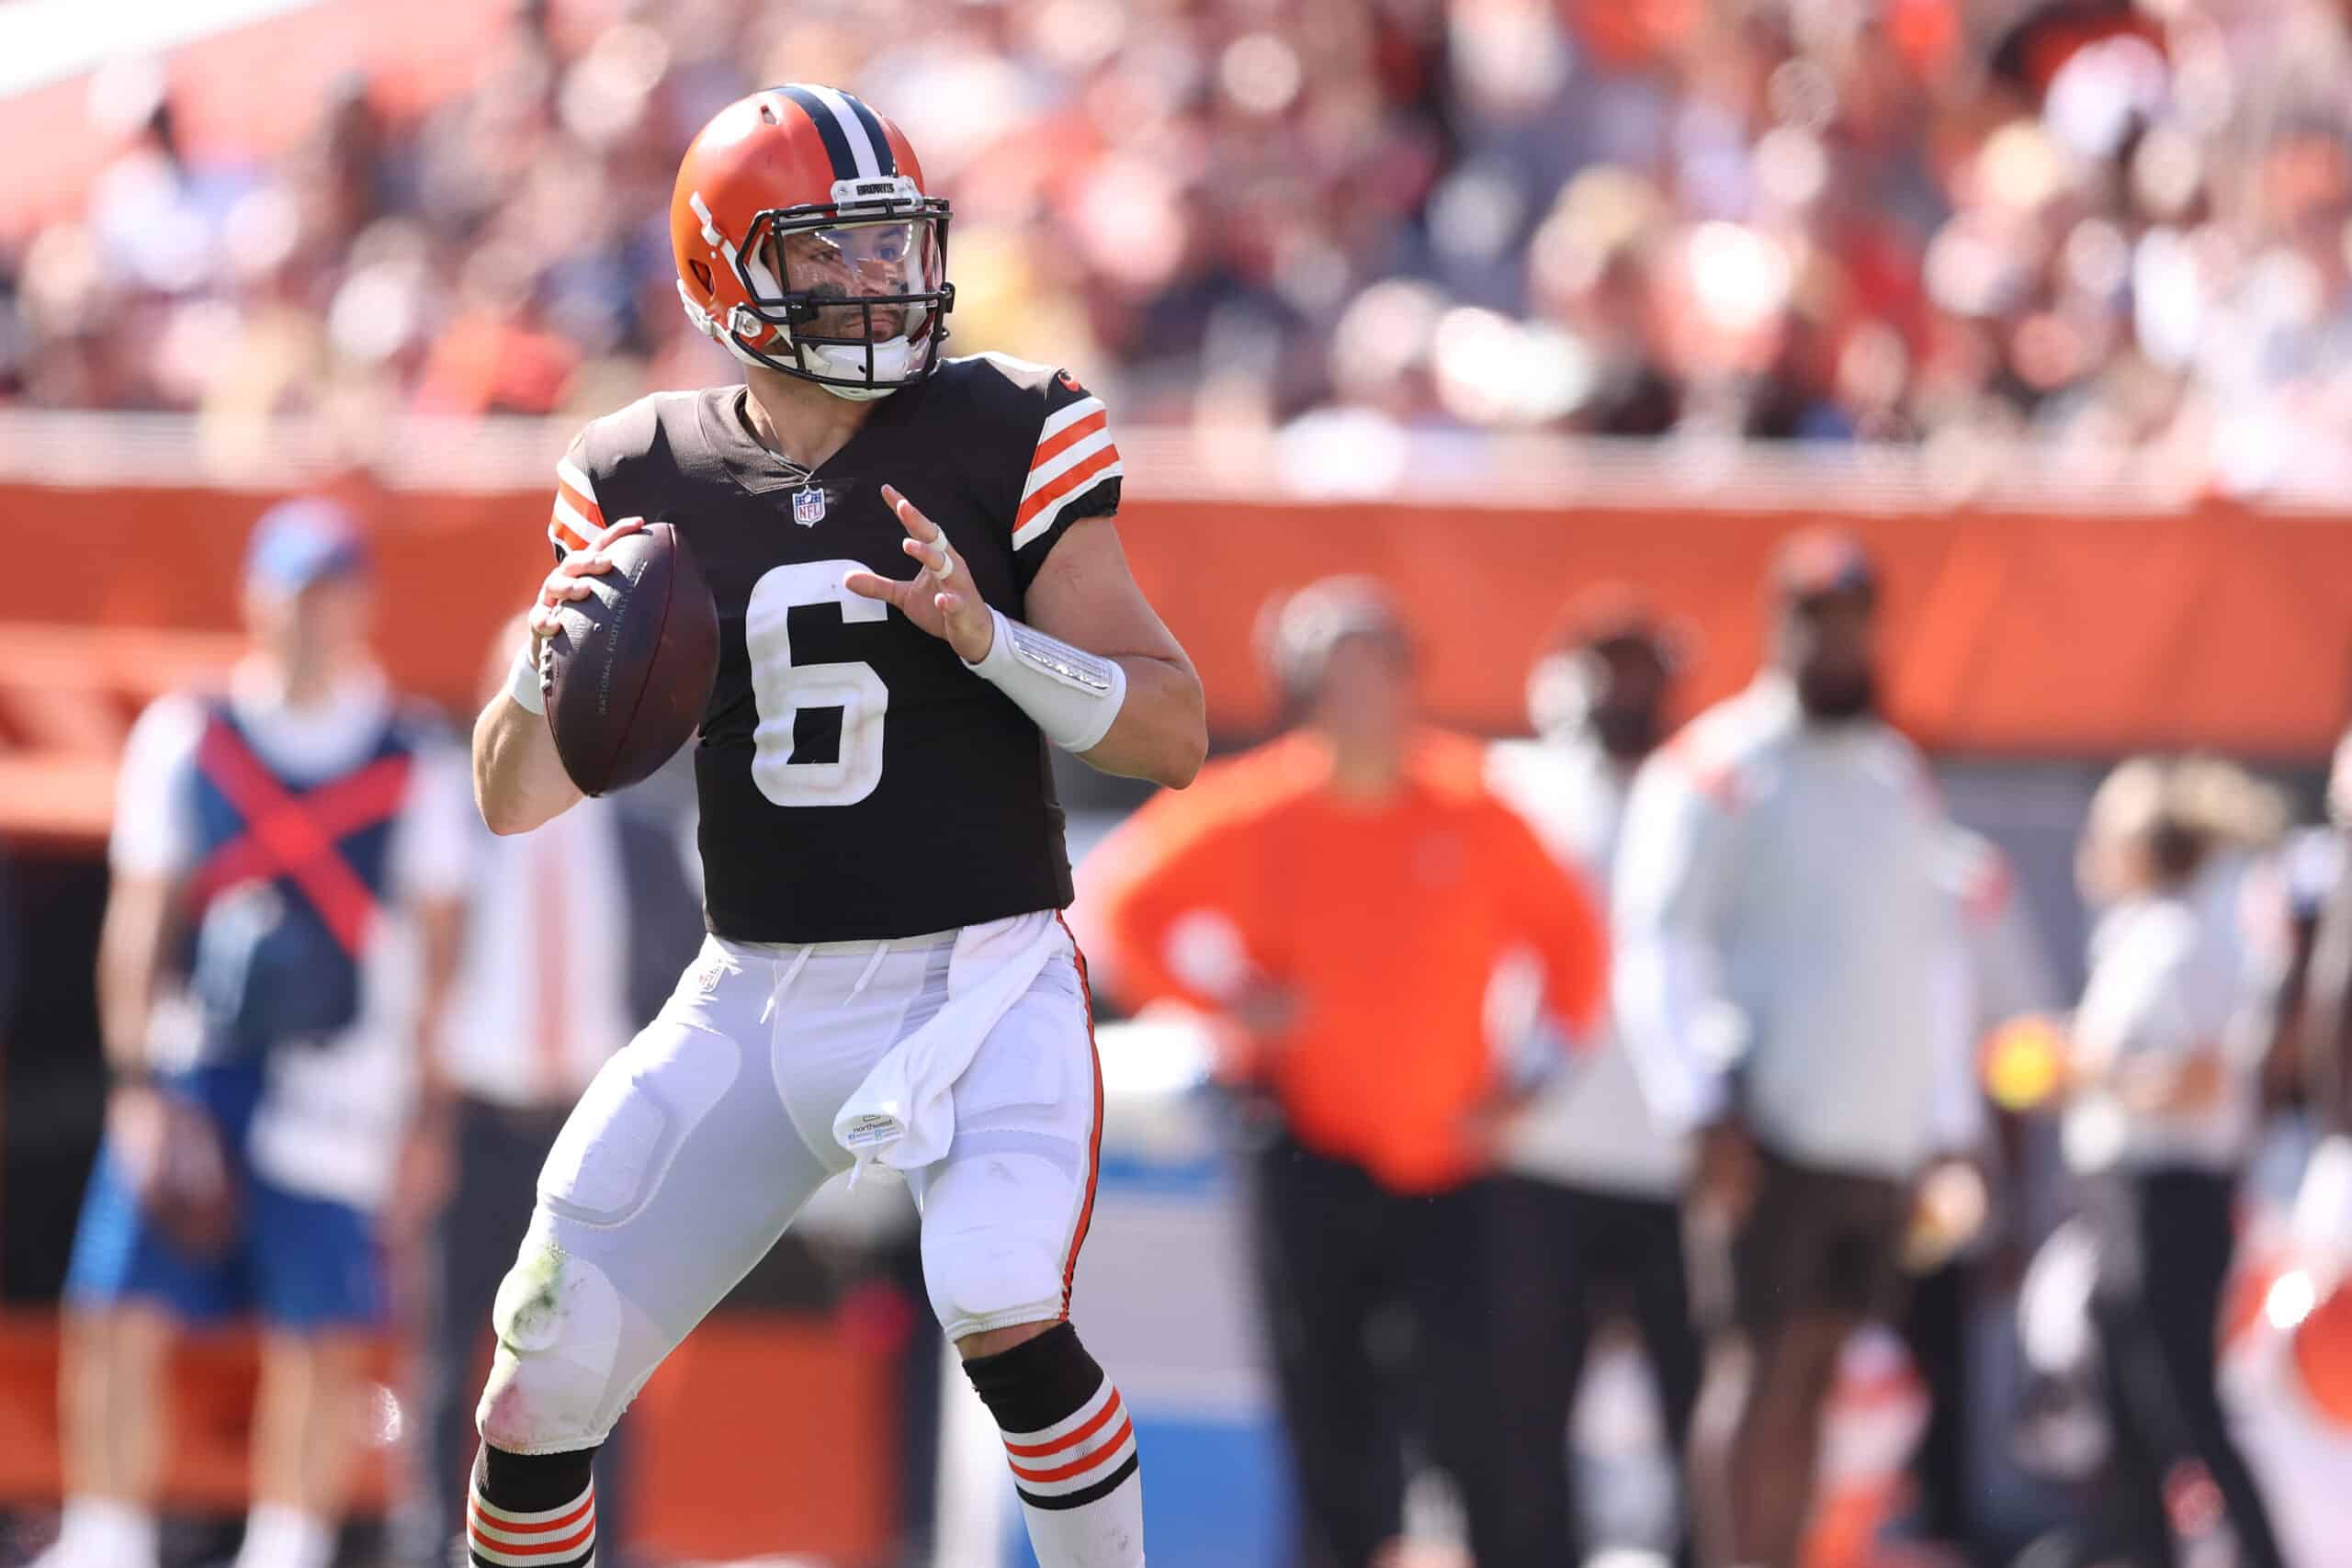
<point>702,274</point>
<point>767,112</point>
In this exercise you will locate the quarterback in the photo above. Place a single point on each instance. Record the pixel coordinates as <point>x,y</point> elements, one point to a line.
<point>919,589</point>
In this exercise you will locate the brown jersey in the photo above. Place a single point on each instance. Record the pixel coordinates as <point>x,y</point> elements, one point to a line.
<point>856,780</point>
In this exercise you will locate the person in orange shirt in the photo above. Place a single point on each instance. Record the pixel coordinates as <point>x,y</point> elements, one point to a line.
<point>1394,960</point>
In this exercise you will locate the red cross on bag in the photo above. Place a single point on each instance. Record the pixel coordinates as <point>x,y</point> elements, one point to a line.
<point>297,836</point>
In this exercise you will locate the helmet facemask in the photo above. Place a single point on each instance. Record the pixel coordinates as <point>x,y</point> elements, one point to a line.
<point>855,292</point>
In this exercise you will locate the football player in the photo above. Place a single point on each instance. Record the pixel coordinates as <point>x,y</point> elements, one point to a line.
<point>919,588</point>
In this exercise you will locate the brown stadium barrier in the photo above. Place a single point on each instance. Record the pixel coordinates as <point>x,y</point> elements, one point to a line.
<point>2008,632</point>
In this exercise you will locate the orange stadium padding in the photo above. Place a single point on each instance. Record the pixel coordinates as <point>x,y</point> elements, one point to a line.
<point>2008,632</point>
<point>711,1425</point>
<point>211,1381</point>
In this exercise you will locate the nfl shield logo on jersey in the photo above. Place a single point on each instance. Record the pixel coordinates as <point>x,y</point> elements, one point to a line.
<point>809,506</point>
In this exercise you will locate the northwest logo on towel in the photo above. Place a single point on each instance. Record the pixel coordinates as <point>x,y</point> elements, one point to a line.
<point>864,1132</point>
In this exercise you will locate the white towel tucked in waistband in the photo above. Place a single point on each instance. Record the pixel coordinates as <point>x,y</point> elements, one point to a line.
<point>904,1114</point>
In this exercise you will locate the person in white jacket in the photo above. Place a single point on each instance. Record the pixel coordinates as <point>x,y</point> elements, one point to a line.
<point>1791,983</point>
<point>1592,1200</point>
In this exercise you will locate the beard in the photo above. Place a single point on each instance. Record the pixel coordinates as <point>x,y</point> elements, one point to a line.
<point>845,321</point>
<point>1836,698</point>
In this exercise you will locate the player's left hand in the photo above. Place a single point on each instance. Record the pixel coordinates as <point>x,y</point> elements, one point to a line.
<point>940,598</point>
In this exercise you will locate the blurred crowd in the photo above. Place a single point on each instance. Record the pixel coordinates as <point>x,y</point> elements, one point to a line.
<point>2114,227</point>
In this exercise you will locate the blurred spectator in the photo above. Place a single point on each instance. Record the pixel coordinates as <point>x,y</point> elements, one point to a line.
<point>288,860</point>
<point>1594,1225</point>
<point>540,998</point>
<point>2100,225</point>
<point>2161,1120</point>
<point>2314,1020</point>
<point>1382,941</point>
<point>1791,983</point>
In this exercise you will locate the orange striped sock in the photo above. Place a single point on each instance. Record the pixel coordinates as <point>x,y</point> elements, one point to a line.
<point>1071,1446</point>
<point>509,1535</point>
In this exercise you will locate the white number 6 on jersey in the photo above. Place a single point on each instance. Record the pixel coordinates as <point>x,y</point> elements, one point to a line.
<point>780,689</point>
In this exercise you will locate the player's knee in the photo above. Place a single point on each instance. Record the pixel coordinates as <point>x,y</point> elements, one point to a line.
<point>992,1278</point>
<point>557,1383</point>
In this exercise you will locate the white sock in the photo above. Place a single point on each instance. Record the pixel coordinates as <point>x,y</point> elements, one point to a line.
<point>1081,1492</point>
<point>1072,1450</point>
<point>1104,1532</point>
<point>280,1537</point>
<point>105,1531</point>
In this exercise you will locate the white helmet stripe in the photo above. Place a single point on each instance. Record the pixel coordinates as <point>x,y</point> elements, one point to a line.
<point>761,278</point>
<point>861,145</point>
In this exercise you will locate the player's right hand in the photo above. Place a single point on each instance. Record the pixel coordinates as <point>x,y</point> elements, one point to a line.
<point>566,584</point>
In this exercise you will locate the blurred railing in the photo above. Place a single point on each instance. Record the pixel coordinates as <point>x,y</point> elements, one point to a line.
<point>1326,458</point>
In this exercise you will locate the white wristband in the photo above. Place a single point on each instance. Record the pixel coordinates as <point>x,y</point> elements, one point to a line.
<point>523,679</point>
<point>1073,695</point>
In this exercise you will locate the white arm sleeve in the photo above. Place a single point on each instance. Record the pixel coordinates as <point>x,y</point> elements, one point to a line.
<point>1675,870</point>
<point>154,827</point>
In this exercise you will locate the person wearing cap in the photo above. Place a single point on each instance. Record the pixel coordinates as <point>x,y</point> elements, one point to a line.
<point>287,858</point>
<point>1382,944</point>
<point>1792,981</point>
<point>1592,1193</point>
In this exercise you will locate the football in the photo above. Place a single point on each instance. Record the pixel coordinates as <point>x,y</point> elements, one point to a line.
<point>630,668</point>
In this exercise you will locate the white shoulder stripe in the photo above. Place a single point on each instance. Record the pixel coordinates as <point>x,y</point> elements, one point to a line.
<point>1039,526</point>
<point>1062,418</point>
<point>570,517</point>
<point>569,472</point>
<point>1063,461</point>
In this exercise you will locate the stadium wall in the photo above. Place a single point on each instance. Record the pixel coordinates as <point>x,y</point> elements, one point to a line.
<point>2011,633</point>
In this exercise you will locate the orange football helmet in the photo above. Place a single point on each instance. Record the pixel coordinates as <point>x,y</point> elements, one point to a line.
<point>804,243</point>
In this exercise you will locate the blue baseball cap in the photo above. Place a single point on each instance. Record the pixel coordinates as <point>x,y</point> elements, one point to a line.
<point>301,542</point>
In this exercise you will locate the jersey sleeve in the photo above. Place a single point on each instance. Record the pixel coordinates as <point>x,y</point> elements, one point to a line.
<point>576,517</point>
<point>1070,472</point>
<point>155,826</point>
